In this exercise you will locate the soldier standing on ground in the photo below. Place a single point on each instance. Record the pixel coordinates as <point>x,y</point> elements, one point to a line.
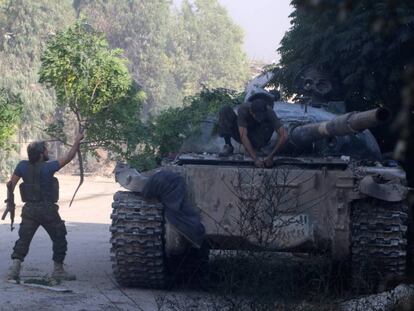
<point>40,192</point>
<point>253,126</point>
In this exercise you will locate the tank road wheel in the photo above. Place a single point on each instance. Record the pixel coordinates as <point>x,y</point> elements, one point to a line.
<point>138,246</point>
<point>378,243</point>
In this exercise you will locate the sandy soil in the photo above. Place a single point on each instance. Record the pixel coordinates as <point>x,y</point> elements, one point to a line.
<point>88,256</point>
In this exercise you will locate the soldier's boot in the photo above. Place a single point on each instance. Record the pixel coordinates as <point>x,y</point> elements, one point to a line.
<point>59,273</point>
<point>226,151</point>
<point>14,271</point>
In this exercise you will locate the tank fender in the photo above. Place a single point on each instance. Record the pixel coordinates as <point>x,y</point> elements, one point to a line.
<point>389,191</point>
<point>129,178</point>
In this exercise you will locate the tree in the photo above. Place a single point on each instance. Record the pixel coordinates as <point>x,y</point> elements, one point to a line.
<point>10,111</point>
<point>25,26</point>
<point>162,61</point>
<point>206,48</point>
<point>362,45</point>
<point>93,83</point>
<point>140,28</point>
<point>172,53</point>
<point>168,130</point>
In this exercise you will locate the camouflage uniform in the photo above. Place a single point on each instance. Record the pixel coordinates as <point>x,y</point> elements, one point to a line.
<point>45,214</point>
<point>40,192</point>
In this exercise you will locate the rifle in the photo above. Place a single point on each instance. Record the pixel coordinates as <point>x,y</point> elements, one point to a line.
<point>10,205</point>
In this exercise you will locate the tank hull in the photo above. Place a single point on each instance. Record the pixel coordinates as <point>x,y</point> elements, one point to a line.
<point>302,204</point>
<point>281,209</point>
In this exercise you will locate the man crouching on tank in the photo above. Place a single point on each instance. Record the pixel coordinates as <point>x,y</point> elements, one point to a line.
<point>253,126</point>
<point>40,192</point>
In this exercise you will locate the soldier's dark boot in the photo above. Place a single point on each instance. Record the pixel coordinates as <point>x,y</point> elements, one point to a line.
<point>14,271</point>
<point>226,151</point>
<point>60,274</point>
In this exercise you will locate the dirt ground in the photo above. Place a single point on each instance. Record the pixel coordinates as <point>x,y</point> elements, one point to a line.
<point>88,222</point>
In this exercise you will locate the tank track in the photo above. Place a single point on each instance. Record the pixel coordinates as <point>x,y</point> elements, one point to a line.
<point>137,238</point>
<point>378,243</point>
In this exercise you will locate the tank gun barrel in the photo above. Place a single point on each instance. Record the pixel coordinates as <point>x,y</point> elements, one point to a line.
<point>346,124</point>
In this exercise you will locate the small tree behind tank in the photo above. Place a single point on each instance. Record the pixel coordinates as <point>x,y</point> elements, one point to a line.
<point>93,84</point>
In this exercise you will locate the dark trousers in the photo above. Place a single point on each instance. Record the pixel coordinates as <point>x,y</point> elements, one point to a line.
<point>47,216</point>
<point>259,135</point>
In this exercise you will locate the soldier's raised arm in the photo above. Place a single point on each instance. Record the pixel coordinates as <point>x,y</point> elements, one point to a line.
<point>72,152</point>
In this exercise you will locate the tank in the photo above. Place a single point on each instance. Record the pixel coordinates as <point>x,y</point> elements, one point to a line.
<point>329,192</point>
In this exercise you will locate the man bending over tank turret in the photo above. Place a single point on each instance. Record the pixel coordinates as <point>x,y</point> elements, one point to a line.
<point>40,192</point>
<point>253,126</point>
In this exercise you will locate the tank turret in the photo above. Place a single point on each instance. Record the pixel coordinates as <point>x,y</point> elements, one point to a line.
<point>312,131</point>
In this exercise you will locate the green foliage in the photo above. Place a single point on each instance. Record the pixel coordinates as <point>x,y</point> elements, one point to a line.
<point>25,26</point>
<point>10,111</point>
<point>92,81</point>
<point>168,130</point>
<point>172,53</point>
<point>140,28</point>
<point>363,46</point>
<point>87,76</point>
<point>163,134</point>
<point>359,44</point>
<point>11,107</point>
<point>206,48</point>
<point>119,128</point>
